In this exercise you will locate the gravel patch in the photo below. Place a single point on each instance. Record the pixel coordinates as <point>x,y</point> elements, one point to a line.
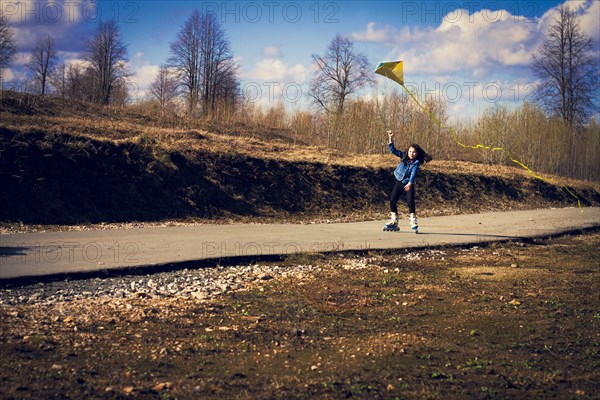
<point>201,284</point>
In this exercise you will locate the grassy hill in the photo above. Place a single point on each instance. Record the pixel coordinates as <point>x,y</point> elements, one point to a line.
<point>65,163</point>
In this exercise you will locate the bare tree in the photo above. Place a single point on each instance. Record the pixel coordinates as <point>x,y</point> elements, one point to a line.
<point>339,73</point>
<point>77,82</point>
<point>185,59</point>
<point>8,47</point>
<point>164,87</point>
<point>203,62</point>
<point>58,80</point>
<point>121,94</point>
<point>107,56</point>
<point>227,85</point>
<point>567,71</point>
<point>43,61</point>
<point>217,68</point>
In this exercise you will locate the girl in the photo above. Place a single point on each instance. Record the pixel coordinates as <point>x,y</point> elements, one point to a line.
<point>405,174</point>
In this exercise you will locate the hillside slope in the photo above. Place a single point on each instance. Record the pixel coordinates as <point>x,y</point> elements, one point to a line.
<point>62,165</point>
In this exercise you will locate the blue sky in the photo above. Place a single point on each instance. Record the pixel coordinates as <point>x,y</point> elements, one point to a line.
<point>471,54</point>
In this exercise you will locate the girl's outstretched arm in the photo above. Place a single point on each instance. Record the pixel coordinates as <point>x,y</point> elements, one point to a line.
<point>393,148</point>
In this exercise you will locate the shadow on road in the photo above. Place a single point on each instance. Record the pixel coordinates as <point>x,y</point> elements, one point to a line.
<point>13,251</point>
<point>476,235</point>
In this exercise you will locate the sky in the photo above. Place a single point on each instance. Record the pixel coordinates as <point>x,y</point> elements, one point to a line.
<point>470,54</point>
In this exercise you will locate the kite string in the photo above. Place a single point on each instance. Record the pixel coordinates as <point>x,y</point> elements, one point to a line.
<point>480,146</point>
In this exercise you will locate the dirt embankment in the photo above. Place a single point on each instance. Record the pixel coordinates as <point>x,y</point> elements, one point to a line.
<point>59,165</point>
<point>65,179</point>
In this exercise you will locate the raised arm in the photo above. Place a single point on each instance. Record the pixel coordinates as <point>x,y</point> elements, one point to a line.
<point>393,148</point>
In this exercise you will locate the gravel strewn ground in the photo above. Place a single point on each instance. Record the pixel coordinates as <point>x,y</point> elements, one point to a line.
<point>201,283</point>
<point>191,283</point>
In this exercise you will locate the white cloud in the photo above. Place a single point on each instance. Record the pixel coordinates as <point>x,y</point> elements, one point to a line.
<point>6,75</point>
<point>143,72</point>
<point>588,12</point>
<point>272,81</point>
<point>66,56</point>
<point>276,70</point>
<point>25,38</point>
<point>83,64</point>
<point>272,52</point>
<point>478,43</point>
<point>21,59</point>
<point>371,34</point>
<point>472,43</point>
<point>61,19</point>
<point>12,75</point>
<point>589,21</point>
<point>486,54</point>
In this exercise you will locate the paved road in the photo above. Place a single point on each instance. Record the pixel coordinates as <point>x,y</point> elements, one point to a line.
<point>35,254</point>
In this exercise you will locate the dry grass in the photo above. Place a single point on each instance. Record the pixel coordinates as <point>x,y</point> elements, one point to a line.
<point>117,130</point>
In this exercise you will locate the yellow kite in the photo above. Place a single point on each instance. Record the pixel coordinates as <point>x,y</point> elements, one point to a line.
<point>392,70</point>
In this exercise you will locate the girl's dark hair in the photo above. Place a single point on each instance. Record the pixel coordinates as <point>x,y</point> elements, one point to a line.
<point>421,154</point>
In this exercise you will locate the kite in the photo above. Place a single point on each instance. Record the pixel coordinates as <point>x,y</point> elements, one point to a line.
<point>394,70</point>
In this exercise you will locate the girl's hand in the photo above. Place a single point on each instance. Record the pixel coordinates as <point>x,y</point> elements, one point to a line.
<point>407,187</point>
<point>390,135</point>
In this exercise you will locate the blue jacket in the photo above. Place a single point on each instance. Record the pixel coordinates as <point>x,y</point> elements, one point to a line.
<point>406,171</point>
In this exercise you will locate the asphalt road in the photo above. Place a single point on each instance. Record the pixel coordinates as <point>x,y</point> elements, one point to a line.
<point>37,254</point>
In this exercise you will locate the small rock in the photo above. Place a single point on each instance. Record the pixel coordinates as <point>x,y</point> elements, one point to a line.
<point>165,351</point>
<point>200,295</point>
<point>224,287</point>
<point>514,265</point>
<point>128,389</point>
<point>265,277</point>
<point>159,387</point>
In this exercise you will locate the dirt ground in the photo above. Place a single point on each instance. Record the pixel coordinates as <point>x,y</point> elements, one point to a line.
<point>507,321</point>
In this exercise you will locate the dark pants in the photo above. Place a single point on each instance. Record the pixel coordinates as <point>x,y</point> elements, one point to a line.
<point>408,196</point>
